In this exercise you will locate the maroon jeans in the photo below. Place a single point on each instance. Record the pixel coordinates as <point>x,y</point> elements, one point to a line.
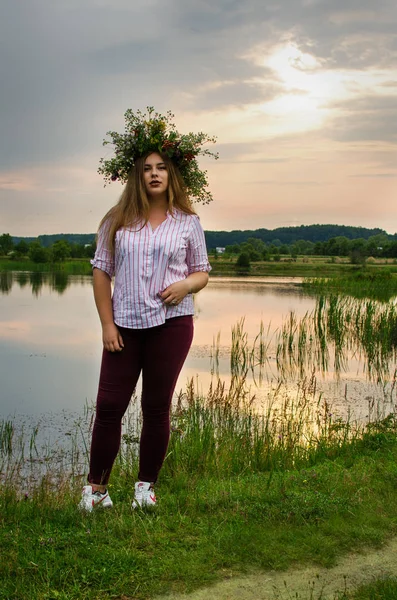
<point>159,352</point>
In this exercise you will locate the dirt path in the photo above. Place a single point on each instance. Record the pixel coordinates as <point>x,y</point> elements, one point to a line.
<point>351,571</point>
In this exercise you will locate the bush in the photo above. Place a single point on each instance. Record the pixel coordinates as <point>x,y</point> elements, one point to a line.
<point>243,261</point>
<point>357,257</point>
<point>37,253</point>
<point>6,244</point>
<point>255,256</point>
<point>60,250</point>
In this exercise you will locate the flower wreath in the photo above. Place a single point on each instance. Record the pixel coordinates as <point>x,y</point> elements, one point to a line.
<point>157,133</point>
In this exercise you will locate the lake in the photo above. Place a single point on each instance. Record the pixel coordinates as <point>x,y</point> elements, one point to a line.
<point>50,342</point>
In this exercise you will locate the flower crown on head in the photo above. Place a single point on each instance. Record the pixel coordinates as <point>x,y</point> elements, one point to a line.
<point>153,132</point>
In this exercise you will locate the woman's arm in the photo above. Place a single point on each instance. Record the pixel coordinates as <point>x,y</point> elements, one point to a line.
<point>197,281</point>
<point>197,266</point>
<point>112,340</point>
<point>193,283</point>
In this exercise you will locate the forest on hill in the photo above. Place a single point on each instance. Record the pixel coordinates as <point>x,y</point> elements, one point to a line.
<point>214,239</point>
<point>291,235</point>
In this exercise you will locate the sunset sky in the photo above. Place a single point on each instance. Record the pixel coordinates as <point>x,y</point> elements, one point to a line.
<point>301,94</point>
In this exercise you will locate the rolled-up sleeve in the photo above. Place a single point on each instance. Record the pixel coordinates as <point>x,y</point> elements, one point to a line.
<point>196,256</point>
<point>103,259</point>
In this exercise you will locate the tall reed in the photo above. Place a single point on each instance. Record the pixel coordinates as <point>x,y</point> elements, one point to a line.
<point>340,326</point>
<point>225,433</point>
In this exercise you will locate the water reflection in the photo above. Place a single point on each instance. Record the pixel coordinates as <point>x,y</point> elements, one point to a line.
<point>54,339</point>
<point>36,281</point>
<point>22,278</point>
<point>6,282</point>
<point>57,281</point>
<point>50,344</point>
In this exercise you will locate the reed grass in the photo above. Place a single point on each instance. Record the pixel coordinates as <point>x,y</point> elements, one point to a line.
<point>338,329</point>
<point>374,284</point>
<point>224,433</point>
<point>381,589</point>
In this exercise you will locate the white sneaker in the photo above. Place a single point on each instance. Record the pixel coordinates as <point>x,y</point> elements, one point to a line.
<point>90,499</point>
<point>144,495</point>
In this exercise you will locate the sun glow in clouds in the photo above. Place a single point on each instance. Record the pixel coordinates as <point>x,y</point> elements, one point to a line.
<point>310,90</point>
<point>310,95</point>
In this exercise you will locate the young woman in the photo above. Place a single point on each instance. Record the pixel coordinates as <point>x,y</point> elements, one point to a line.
<point>153,244</point>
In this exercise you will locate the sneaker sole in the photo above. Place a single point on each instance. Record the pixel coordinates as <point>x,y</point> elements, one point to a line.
<point>85,507</point>
<point>135,505</point>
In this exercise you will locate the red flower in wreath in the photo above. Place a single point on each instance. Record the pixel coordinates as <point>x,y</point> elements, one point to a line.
<point>168,145</point>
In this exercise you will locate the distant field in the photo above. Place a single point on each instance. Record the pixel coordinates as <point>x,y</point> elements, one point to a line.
<point>303,266</point>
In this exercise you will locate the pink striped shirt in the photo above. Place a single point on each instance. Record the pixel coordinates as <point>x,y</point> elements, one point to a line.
<point>146,262</point>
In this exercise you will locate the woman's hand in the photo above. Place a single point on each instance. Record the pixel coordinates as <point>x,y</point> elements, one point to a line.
<point>175,293</point>
<point>111,337</point>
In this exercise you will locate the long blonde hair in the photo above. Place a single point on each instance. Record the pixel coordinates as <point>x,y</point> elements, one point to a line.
<point>133,206</point>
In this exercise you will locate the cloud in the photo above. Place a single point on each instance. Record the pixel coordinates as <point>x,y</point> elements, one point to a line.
<point>280,182</point>
<point>375,175</point>
<point>365,119</point>
<point>343,34</point>
<point>234,94</point>
<point>76,65</point>
<point>249,152</point>
<point>79,64</point>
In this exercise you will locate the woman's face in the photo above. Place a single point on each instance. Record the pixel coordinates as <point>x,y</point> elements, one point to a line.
<point>155,175</point>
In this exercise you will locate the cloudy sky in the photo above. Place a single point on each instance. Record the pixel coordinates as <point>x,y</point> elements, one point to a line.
<point>301,94</point>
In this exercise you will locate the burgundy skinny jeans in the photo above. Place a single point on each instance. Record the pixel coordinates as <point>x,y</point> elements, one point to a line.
<point>159,352</point>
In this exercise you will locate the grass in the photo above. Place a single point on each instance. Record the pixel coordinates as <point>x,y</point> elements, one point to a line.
<point>304,266</point>
<point>338,329</point>
<point>238,492</point>
<point>373,284</point>
<point>383,589</point>
<point>78,266</point>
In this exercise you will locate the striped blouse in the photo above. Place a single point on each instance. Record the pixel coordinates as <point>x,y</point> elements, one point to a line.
<point>146,262</point>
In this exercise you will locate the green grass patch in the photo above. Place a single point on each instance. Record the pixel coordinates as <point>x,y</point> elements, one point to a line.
<point>310,267</point>
<point>203,526</point>
<point>237,493</point>
<point>374,284</point>
<point>78,266</point>
<point>381,589</point>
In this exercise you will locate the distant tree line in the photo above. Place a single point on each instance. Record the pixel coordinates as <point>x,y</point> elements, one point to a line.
<point>291,235</point>
<point>36,251</point>
<point>214,239</point>
<point>358,250</point>
<point>48,240</point>
<point>326,240</point>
